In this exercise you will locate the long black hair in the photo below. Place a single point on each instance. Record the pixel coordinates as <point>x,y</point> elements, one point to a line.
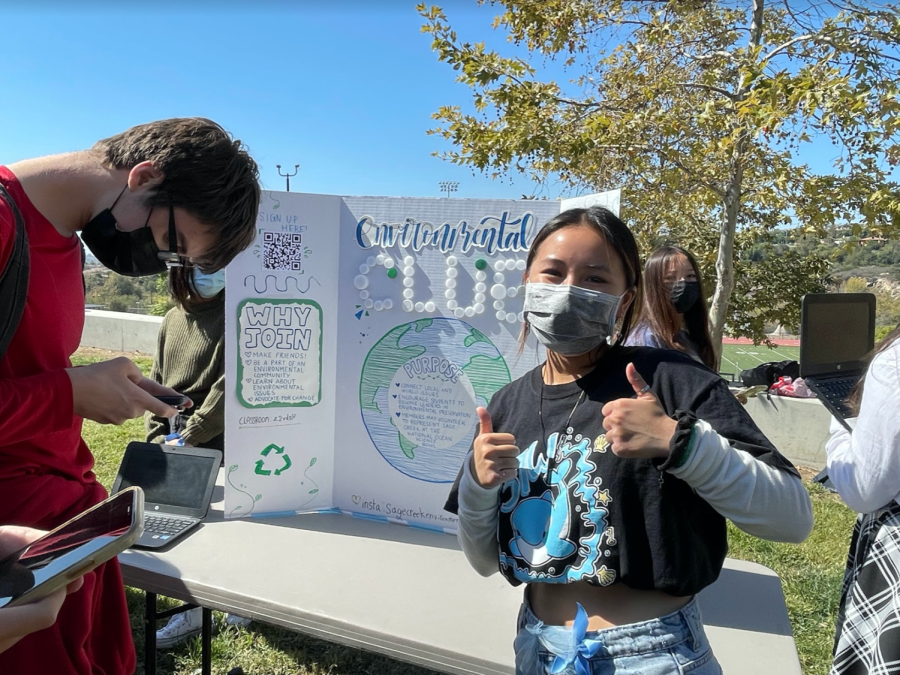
<point>615,233</point>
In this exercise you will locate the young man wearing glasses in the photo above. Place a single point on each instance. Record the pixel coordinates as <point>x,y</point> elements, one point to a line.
<point>157,195</point>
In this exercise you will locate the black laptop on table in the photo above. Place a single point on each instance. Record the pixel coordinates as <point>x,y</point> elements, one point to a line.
<point>837,335</point>
<point>178,484</point>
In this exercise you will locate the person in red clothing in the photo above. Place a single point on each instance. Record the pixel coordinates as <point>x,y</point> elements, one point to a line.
<point>178,191</point>
<point>17,622</point>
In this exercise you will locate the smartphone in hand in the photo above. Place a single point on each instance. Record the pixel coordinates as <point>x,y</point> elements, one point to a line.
<point>72,549</point>
<point>174,401</point>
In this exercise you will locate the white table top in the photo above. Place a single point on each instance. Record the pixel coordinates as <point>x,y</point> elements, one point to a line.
<point>411,595</point>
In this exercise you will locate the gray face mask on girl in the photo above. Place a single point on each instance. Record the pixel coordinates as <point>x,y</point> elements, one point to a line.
<point>570,320</point>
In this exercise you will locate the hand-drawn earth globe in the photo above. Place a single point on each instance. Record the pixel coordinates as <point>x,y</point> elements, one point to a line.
<point>418,391</point>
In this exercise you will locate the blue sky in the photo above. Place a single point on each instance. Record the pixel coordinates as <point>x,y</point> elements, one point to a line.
<point>347,93</point>
<point>345,88</point>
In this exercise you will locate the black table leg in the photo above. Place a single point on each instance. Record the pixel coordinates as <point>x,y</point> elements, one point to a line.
<point>151,616</point>
<point>150,635</point>
<point>206,643</point>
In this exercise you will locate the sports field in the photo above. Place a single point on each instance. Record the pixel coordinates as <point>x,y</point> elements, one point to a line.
<point>738,357</point>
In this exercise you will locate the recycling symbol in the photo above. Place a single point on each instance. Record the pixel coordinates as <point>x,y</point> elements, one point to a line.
<point>262,462</point>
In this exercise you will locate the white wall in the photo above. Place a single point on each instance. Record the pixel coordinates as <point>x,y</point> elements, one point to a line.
<point>798,427</point>
<point>119,331</point>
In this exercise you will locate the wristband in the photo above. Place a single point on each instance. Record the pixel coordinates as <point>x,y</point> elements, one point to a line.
<point>680,445</point>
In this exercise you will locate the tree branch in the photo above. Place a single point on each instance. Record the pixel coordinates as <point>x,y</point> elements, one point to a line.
<point>578,104</point>
<point>756,23</point>
<point>709,56</point>
<point>780,48</point>
<point>659,152</point>
<point>707,87</point>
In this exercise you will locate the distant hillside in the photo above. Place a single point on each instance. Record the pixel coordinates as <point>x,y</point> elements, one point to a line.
<point>117,293</point>
<point>868,257</point>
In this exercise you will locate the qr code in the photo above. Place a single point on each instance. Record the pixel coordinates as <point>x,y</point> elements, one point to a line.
<point>282,251</point>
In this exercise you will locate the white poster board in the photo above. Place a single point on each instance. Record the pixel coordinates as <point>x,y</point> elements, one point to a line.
<point>362,334</point>
<point>609,200</point>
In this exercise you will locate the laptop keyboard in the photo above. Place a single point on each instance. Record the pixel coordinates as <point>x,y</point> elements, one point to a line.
<point>165,525</point>
<point>837,391</point>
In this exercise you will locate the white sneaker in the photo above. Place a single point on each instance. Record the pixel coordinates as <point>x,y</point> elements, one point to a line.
<point>180,628</point>
<point>235,620</point>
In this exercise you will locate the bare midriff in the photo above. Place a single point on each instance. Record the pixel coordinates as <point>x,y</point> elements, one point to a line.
<point>606,606</point>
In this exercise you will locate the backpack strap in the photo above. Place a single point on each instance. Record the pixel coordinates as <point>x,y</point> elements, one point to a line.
<point>83,263</point>
<point>14,278</point>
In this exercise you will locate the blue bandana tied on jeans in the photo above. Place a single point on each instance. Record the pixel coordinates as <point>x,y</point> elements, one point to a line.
<point>670,645</point>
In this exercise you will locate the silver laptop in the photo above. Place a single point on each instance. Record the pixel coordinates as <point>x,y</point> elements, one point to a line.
<point>178,484</point>
<point>837,335</point>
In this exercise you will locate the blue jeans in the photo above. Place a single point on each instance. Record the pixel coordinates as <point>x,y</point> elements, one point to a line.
<point>670,645</point>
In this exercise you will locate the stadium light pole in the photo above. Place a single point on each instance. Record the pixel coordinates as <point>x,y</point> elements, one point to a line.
<point>448,186</point>
<point>287,176</point>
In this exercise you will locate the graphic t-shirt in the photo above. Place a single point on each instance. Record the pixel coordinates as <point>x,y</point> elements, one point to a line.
<point>577,512</point>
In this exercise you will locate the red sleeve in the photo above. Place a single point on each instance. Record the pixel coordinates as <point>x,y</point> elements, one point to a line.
<point>35,406</point>
<point>7,232</point>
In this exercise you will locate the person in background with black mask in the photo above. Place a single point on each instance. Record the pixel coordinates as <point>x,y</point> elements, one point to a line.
<point>168,193</point>
<point>674,312</point>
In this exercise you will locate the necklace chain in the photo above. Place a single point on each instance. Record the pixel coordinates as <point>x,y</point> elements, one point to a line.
<point>550,460</point>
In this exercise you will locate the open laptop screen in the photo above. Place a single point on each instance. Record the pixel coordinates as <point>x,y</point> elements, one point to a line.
<point>168,478</point>
<point>843,329</point>
<point>837,332</point>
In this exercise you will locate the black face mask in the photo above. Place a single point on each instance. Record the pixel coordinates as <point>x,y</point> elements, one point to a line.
<point>132,254</point>
<point>684,295</point>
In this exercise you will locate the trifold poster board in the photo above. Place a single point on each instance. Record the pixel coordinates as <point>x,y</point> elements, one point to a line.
<point>362,333</point>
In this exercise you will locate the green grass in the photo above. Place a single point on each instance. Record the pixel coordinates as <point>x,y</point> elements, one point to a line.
<point>736,358</point>
<point>85,357</point>
<point>810,574</point>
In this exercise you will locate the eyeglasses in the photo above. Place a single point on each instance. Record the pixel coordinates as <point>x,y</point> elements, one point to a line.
<point>171,257</point>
